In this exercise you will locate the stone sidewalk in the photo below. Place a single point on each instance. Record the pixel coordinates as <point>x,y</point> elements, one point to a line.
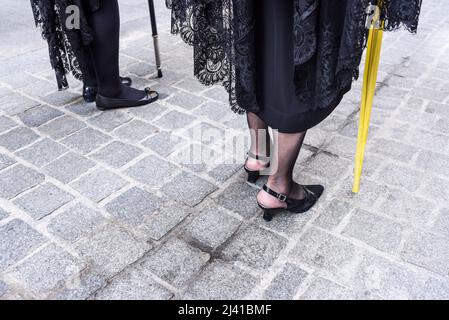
<point>100,205</point>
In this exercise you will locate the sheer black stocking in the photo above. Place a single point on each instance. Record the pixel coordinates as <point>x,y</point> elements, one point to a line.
<point>288,147</point>
<point>105,23</point>
<point>260,141</point>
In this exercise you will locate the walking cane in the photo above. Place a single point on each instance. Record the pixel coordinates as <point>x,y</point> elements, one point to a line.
<point>155,38</point>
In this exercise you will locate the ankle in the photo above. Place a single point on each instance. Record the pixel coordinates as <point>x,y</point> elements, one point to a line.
<point>280,184</point>
<point>111,91</point>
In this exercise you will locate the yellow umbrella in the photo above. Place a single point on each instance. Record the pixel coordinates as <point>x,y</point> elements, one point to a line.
<point>374,46</point>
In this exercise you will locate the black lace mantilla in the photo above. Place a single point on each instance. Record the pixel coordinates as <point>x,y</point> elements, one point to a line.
<point>66,46</point>
<point>222,34</point>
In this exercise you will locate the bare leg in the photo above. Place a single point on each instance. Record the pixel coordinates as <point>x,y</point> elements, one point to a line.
<point>289,146</point>
<point>260,141</point>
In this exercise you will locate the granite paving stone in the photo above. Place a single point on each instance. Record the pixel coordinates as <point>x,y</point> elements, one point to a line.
<point>286,283</point>
<point>37,116</point>
<point>110,248</point>
<point>6,124</point>
<point>99,184</point>
<point>428,250</point>
<point>133,206</point>
<point>3,214</point>
<point>175,262</point>
<point>188,188</point>
<point>15,104</point>
<point>62,127</point>
<point>164,143</point>
<point>5,161</point>
<point>333,214</point>
<point>17,138</point>
<point>165,219</point>
<point>82,287</point>
<point>174,120</point>
<point>134,284</point>
<point>386,279</point>
<point>110,120</point>
<point>149,113</point>
<point>68,167</point>
<point>212,227</point>
<point>42,152</point>
<point>60,99</point>
<point>117,154</point>
<point>3,288</point>
<point>152,171</point>
<point>221,281</point>
<point>86,140</point>
<point>17,179</point>
<point>248,248</point>
<point>135,131</point>
<point>75,223</point>
<point>43,200</point>
<point>324,289</point>
<point>235,198</point>
<point>18,240</point>
<point>377,231</point>
<point>331,255</point>
<point>43,263</point>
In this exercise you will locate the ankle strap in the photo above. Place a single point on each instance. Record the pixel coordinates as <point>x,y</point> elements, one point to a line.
<point>258,157</point>
<point>280,196</point>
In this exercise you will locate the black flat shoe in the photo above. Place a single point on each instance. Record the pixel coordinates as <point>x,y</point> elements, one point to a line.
<point>90,93</point>
<point>313,193</point>
<point>253,176</point>
<point>105,103</point>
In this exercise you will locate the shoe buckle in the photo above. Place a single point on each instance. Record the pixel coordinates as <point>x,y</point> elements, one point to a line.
<point>282,197</point>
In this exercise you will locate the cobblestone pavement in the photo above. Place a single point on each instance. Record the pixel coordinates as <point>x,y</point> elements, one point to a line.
<point>97,205</point>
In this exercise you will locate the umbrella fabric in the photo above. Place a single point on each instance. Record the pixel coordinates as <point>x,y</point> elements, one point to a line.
<point>369,86</point>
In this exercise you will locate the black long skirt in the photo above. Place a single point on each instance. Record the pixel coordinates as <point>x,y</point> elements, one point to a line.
<point>275,71</point>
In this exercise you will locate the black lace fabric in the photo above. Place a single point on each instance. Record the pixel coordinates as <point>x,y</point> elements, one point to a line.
<point>329,38</point>
<point>400,13</point>
<point>66,46</point>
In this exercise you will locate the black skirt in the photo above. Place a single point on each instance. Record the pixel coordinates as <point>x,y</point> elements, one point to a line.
<point>275,71</point>
<point>289,61</point>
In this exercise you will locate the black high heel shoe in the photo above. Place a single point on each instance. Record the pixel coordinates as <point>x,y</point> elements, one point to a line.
<point>90,92</point>
<point>253,176</point>
<point>313,193</point>
<point>105,103</point>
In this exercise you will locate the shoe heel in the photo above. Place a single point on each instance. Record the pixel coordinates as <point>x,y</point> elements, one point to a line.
<point>253,176</point>
<point>267,215</point>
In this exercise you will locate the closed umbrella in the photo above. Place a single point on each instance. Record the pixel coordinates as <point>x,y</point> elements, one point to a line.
<point>374,47</point>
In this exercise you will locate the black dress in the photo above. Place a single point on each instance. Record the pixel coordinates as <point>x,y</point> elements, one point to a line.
<point>289,61</point>
<point>279,103</point>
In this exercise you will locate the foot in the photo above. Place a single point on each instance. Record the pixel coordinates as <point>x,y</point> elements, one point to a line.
<point>292,190</point>
<point>130,93</point>
<point>90,90</point>
<point>256,162</point>
<point>255,165</point>
<point>128,98</point>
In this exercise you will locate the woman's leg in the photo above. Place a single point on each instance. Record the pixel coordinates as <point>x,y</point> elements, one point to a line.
<point>105,23</point>
<point>281,181</point>
<point>260,142</point>
<point>89,75</point>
